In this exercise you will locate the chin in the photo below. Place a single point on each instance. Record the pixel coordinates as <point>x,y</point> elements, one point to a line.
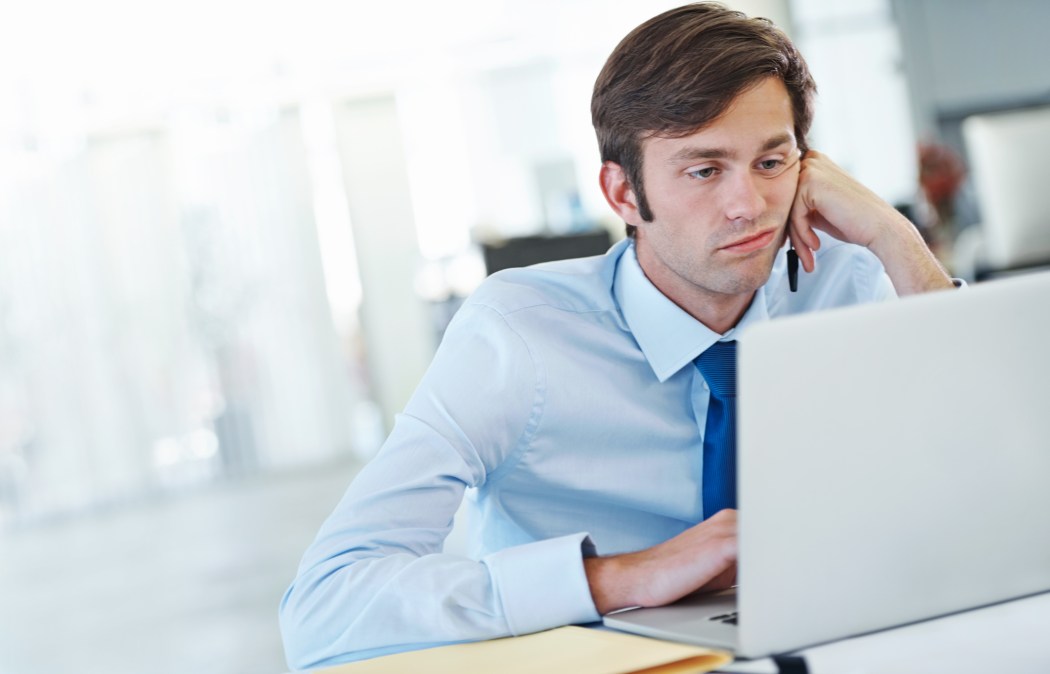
<point>739,284</point>
<point>755,274</point>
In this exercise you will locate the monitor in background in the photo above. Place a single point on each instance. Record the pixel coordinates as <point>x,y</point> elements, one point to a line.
<point>1006,152</point>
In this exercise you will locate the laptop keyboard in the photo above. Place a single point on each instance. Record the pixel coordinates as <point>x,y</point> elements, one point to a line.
<point>727,618</point>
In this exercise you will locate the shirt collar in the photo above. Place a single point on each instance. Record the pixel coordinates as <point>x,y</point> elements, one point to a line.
<point>669,337</point>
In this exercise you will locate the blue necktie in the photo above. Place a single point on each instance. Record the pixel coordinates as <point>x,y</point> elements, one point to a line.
<point>718,367</point>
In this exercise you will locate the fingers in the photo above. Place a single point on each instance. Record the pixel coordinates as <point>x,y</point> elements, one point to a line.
<point>692,560</point>
<point>800,223</point>
<point>722,581</point>
<point>805,253</point>
<point>722,573</point>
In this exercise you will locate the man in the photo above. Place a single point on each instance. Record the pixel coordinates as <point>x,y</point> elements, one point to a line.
<point>570,398</point>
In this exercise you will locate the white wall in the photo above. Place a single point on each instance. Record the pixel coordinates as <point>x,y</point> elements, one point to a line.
<point>972,54</point>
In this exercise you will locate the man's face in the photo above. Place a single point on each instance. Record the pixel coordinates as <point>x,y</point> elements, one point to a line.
<point>720,199</point>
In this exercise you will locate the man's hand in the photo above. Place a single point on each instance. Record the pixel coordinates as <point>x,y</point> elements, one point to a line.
<point>829,199</point>
<point>701,558</point>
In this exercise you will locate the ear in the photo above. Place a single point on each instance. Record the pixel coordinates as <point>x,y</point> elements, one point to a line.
<point>618,193</point>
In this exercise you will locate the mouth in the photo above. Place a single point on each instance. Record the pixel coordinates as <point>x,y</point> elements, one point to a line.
<point>751,243</point>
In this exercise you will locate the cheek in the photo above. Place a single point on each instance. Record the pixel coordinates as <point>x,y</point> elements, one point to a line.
<point>662,189</point>
<point>677,203</point>
<point>782,192</point>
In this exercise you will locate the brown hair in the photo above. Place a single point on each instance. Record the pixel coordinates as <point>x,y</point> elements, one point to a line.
<point>679,71</point>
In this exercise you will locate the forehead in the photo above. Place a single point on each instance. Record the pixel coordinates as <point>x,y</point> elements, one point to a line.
<point>757,120</point>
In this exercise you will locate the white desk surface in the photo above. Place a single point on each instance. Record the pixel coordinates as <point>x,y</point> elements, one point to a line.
<point>1012,638</point>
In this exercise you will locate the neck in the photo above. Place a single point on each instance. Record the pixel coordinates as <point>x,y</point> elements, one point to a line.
<point>719,312</point>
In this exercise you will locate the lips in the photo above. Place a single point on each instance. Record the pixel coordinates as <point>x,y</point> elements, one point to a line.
<point>751,243</point>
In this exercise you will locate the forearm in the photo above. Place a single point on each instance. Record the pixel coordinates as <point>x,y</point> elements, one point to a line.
<point>376,579</point>
<point>362,602</point>
<point>831,200</point>
<point>909,262</point>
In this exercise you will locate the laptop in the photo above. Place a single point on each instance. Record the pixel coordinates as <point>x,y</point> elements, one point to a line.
<point>893,465</point>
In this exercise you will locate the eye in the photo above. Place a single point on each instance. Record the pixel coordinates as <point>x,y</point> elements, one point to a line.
<point>770,164</point>
<point>702,173</point>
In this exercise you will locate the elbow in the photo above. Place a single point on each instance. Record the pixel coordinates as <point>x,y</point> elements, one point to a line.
<point>321,626</point>
<point>307,632</point>
<point>295,633</point>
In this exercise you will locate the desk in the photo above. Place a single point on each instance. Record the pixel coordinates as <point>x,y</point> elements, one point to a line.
<point>1012,637</point>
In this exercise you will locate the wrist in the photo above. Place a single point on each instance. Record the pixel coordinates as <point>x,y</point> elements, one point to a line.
<point>609,579</point>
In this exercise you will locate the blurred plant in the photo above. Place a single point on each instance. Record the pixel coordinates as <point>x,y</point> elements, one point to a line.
<point>941,174</point>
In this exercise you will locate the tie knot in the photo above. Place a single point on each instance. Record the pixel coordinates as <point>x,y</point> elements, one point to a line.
<point>718,367</point>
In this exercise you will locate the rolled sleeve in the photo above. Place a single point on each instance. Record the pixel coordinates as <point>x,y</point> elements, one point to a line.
<point>543,585</point>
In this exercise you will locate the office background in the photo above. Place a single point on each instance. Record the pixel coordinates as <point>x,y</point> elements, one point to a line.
<point>231,234</point>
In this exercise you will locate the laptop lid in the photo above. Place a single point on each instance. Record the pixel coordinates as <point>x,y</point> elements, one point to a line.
<point>893,463</point>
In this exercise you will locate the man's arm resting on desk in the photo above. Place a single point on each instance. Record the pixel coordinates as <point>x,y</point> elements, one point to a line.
<point>376,580</point>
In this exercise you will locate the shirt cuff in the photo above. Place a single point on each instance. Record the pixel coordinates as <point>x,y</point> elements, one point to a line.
<point>543,585</point>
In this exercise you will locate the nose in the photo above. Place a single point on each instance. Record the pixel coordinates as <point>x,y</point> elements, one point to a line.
<point>744,200</point>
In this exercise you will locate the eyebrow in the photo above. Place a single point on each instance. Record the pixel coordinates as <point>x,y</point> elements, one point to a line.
<point>693,153</point>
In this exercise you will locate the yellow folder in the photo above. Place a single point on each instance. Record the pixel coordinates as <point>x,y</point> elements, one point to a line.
<point>573,650</point>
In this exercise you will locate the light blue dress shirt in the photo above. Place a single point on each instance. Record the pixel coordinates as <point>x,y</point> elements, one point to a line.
<point>563,404</point>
